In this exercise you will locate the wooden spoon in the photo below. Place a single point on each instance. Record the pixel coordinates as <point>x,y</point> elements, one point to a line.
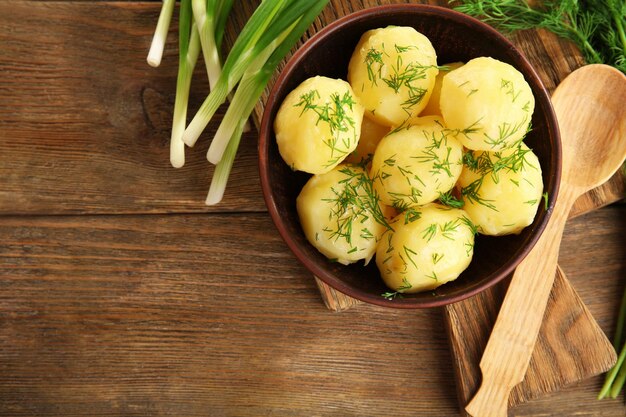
<point>589,105</point>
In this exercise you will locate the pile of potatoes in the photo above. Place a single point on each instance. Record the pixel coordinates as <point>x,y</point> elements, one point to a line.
<point>409,159</point>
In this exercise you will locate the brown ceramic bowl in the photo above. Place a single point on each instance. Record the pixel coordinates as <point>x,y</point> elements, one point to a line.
<point>456,37</point>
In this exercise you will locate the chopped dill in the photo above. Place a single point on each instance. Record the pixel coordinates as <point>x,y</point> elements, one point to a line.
<point>436,257</point>
<point>449,227</point>
<point>355,203</point>
<point>430,155</point>
<point>470,224</point>
<point>447,199</point>
<point>509,89</point>
<point>335,115</point>
<point>399,74</point>
<point>406,285</point>
<point>374,63</point>
<point>433,276</point>
<point>410,215</point>
<point>491,163</point>
<point>429,232</point>
<point>505,131</point>
<point>409,253</point>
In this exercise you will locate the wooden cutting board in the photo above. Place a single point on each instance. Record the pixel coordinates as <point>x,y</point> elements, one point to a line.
<point>553,59</point>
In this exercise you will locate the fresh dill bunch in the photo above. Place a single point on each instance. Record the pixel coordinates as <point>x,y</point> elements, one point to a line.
<point>611,20</point>
<point>596,26</point>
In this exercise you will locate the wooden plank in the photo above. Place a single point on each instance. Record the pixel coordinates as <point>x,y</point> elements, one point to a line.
<point>149,315</point>
<point>85,122</point>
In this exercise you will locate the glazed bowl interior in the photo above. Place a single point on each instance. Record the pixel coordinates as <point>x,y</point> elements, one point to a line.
<point>455,37</point>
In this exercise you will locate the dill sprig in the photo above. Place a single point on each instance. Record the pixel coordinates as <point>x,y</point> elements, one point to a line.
<point>333,113</point>
<point>448,199</point>
<point>400,74</point>
<point>596,26</point>
<point>492,163</point>
<point>355,203</point>
<point>406,285</point>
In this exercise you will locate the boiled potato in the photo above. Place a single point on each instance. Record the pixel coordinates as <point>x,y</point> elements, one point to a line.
<point>429,246</point>
<point>392,71</point>
<point>318,125</point>
<point>340,214</point>
<point>488,102</point>
<point>371,134</point>
<point>432,107</point>
<point>415,164</point>
<point>501,190</point>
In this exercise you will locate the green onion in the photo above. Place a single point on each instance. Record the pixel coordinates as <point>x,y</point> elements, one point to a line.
<point>249,91</point>
<point>188,51</point>
<point>160,34</point>
<point>245,95</point>
<point>210,16</point>
<point>616,377</point>
<point>267,37</point>
<point>249,44</point>
<point>222,170</point>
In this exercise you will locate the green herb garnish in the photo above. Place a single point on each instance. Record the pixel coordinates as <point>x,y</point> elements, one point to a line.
<point>596,26</point>
<point>447,199</point>
<point>400,74</point>
<point>335,116</point>
<point>355,203</point>
<point>398,294</point>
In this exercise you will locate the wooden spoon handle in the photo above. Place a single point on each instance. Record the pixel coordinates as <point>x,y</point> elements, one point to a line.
<point>513,337</point>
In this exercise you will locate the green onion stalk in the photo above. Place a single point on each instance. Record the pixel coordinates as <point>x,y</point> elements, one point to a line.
<point>253,39</point>
<point>160,34</point>
<point>210,16</point>
<point>251,88</point>
<point>188,51</point>
<point>245,95</point>
<point>616,377</point>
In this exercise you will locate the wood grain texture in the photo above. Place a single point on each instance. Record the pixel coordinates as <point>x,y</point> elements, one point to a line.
<point>140,315</point>
<point>568,327</point>
<point>85,122</point>
<point>150,316</point>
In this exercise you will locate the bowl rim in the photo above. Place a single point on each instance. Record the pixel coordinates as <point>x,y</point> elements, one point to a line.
<point>265,133</point>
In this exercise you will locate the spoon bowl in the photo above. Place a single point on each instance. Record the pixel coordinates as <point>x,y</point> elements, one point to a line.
<point>593,119</point>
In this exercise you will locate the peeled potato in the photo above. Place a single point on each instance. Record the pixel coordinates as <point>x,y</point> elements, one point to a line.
<point>501,190</point>
<point>414,165</point>
<point>318,125</point>
<point>392,71</point>
<point>488,102</point>
<point>371,134</point>
<point>340,214</point>
<point>429,246</point>
<point>432,107</point>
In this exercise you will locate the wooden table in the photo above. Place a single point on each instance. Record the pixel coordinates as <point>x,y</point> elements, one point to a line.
<point>121,294</point>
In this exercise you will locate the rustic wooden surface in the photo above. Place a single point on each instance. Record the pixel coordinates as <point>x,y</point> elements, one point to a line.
<point>122,294</point>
